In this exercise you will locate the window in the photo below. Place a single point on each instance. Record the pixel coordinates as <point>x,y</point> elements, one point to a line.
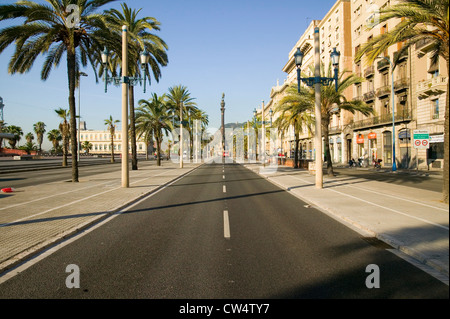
<point>435,108</point>
<point>385,79</point>
<point>387,147</point>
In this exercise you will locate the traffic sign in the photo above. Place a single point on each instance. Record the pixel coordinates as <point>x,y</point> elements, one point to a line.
<point>421,139</point>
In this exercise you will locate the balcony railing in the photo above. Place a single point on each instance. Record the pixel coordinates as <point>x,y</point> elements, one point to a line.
<point>369,96</point>
<point>384,91</point>
<point>400,116</point>
<point>383,64</point>
<point>401,57</point>
<point>434,86</point>
<point>401,84</point>
<point>369,71</point>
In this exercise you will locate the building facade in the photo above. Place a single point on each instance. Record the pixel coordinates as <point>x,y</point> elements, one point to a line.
<point>101,142</point>
<point>419,87</point>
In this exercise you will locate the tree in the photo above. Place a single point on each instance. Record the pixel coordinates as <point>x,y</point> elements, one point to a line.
<point>87,146</point>
<point>64,128</point>
<point>295,111</point>
<point>420,20</point>
<point>111,126</point>
<point>152,118</point>
<point>54,136</point>
<point>39,129</point>
<point>17,131</point>
<point>141,38</point>
<point>180,101</point>
<point>333,101</point>
<point>53,29</point>
<point>29,137</point>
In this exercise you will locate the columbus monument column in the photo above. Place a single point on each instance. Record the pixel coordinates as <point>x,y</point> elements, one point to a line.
<point>222,109</point>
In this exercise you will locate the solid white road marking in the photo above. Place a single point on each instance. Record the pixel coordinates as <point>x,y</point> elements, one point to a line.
<point>226,225</point>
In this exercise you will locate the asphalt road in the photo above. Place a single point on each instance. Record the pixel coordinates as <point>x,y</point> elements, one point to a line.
<point>222,232</point>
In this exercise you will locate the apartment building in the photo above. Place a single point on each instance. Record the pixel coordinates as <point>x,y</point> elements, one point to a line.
<point>419,86</point>
<point>417,103</point>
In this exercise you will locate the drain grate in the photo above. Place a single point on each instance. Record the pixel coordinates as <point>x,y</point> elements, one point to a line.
<point>377,243</point>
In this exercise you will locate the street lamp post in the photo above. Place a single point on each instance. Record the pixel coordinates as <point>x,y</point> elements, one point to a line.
<point>80,74</point>
<point>263,122</point>
<point>125,80</point>
<point>394,164</point>
<point>316,82</point>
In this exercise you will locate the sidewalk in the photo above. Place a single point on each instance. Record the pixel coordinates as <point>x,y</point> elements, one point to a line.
<point>413,221</point>
<point>32,218</point>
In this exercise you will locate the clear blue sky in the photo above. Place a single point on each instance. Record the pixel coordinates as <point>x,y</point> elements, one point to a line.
<point>236,47</point>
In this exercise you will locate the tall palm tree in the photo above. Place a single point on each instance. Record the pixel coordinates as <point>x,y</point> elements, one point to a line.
<point>180,101</point>
<point>111,126</point>
<point>421,20</point>
<point>295,110</point>
<point>139,31</point>
<point>17,131</point>
<point>50,31</point>
<point>29,137</point>
<point>54,136</point>
<point>333,101</point>
<point>64,128</point>
<point>152,118</point>
<point>39,129</point>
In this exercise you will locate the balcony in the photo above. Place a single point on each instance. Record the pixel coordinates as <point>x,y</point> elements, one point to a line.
<point>383,91</point>
<point>401,84</point>
<point>384,119</point>
<point>383,64</point>
<point>431,87</point>
<point>369,96</point>
<point>400,58</point>
<point>369,71</point>
<point>424,45</point>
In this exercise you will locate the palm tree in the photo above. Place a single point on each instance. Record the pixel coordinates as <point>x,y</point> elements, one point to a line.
<point>17,131</point>
<point>87,146</point>
<point>333,101</point>
<point>64,128</point>
<point>29,137</point>
<point>421,20</point>
<point>39,129</point>
<point>180,101</point>
<point>139,32</point>
<point>54,136</point>
<point>152,118</point>
<point>294,111</point>
<point>50,31</point>
<point>110,123</point>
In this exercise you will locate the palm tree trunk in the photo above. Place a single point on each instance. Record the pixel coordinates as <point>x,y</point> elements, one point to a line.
<point>134,161</point>
<point>158,149</point>
<point>325,124</point>
<point>446,141</point>
<point>72,111</point>
<point>65,149</point>
<point>112,147</point>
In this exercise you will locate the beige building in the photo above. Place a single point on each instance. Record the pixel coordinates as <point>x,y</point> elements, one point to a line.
<point>419,91</point>
<point>101,142</point>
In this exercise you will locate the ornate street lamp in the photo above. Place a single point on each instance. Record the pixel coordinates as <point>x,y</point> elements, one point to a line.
<point>126,81</point>
<point>316,82</point>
